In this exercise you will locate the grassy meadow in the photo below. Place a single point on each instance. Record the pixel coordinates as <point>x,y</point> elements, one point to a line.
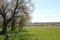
<point>34,33</point>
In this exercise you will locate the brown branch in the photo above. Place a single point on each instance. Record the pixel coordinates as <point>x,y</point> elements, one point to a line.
<point>2,10</point>
<point>6,7</point>
<point>14,11</point>
<point>1,13</point>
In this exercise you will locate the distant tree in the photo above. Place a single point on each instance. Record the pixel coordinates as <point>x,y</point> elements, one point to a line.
<point>25,14</point>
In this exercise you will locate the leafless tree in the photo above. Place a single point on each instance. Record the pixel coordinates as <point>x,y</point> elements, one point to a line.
<point>3,12</point>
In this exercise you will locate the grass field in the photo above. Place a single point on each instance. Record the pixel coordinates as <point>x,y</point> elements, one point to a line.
<point>34,33</point>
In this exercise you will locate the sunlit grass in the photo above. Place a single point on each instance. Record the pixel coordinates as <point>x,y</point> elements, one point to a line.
<point>35,33</point>
<point>45,33</point>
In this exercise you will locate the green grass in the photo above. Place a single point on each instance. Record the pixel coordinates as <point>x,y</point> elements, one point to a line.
<point>34,33</point>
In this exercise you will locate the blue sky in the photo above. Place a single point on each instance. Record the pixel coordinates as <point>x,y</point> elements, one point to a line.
<point>46,11</point>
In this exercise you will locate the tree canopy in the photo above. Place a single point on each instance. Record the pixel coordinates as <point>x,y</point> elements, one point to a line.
<point>11,10</point>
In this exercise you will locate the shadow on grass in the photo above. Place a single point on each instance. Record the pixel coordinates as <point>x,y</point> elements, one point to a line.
<point>4,36</point>
<point>22,35</point>
<point>24,30</point>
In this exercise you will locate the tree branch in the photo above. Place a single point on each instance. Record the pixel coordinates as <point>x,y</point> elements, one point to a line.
<point>14,11</point>
<point>6,7</point>
<point>1,13</point>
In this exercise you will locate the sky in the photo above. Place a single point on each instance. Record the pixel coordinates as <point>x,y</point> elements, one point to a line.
<point>46,11</point>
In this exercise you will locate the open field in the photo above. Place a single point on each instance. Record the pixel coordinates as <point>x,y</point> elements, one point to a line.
<point>34,33</point>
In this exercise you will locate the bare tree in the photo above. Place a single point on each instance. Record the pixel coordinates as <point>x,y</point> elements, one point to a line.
<point>25,16</point>
<point>16,9</point>
<point>3,12</point>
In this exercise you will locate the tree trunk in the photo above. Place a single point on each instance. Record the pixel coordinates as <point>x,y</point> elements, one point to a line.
<point>4,27</point>
<point>19,28</point>
<point>13,24</point>
<point>12,27</point>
